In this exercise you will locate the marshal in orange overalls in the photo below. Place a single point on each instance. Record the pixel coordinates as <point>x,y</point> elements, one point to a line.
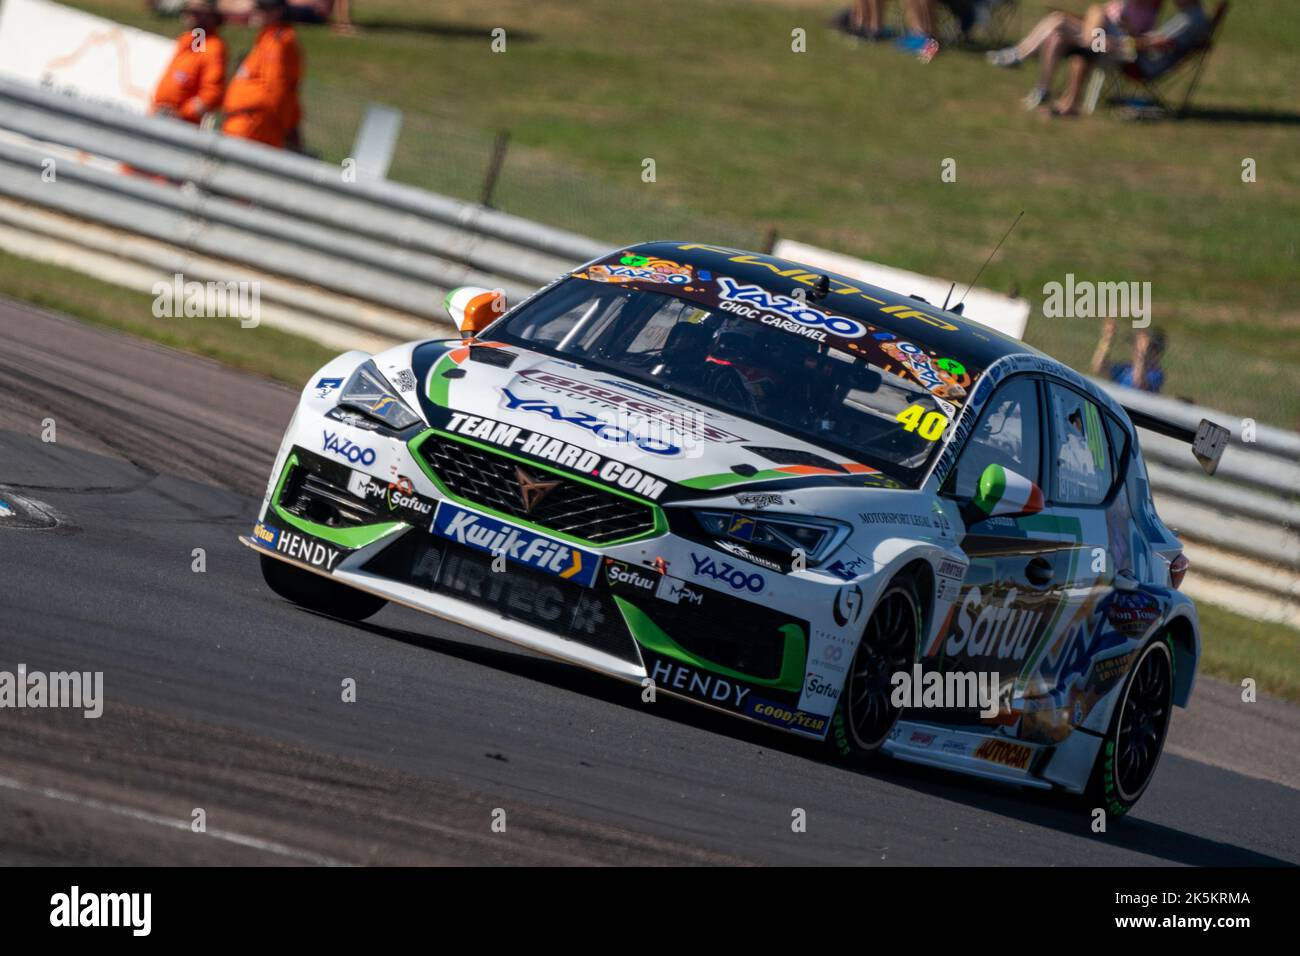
<point>262,101</point>
<point>195,80</point>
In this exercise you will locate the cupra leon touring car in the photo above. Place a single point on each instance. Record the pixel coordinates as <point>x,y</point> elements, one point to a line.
<point>769,490</point>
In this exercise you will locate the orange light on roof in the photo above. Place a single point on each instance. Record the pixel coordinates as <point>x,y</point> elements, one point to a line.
<point>481,311</point>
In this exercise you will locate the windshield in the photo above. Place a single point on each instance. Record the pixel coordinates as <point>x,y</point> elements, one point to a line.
<point>788,379</point>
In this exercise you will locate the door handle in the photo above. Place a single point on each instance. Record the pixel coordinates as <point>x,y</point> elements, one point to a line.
<point>1039,572</point>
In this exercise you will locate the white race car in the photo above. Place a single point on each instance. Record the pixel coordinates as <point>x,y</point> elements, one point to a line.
<point>800,499</point>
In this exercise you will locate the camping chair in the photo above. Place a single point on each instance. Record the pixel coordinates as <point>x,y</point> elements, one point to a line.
<point>1115,82</point>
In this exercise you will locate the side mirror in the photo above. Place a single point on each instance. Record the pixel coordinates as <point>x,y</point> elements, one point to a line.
<point>473,308</point>
<point>1003,493</point>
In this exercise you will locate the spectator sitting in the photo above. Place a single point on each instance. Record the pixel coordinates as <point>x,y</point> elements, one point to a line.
<point>1059,34</point>
<point>262,101</point>
<point>194,82</point>
<point>1158,50</point>
<point>1144,372</point>
<point>1154,52</point>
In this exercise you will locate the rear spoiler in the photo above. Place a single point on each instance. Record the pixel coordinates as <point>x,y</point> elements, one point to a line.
<point>1208,440</point>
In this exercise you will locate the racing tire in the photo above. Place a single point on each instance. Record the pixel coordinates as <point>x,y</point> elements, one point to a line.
<point>1131,749</point>
<point>865,716</point>
<point>317,593</point>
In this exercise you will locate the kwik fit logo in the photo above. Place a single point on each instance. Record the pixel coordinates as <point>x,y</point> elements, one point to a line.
<point>516,544</point>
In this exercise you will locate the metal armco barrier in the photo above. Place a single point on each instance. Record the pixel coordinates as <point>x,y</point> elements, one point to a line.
<point>402,248</point>
<point>380,241</point>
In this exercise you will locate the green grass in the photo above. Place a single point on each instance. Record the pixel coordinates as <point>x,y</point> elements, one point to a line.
<point>841,146</point>
<point>263,350</point>
<point>1235,647</point>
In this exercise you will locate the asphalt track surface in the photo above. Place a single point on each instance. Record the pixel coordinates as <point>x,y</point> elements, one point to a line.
<point>222,697</point>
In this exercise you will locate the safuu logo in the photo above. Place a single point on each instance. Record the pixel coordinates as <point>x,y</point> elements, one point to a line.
<point>1000,632</point>
<point>790,308</point>
<point>602,429</point>
<point>816,686</point>
<point>347,449</point>
<point>616,573</point>
<point>734,577</point>
<point>401,494</point>
<point>524,547</point>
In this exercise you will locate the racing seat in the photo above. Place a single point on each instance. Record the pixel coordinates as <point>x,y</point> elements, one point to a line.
<point>1123,85</point>
<point>682,355</point>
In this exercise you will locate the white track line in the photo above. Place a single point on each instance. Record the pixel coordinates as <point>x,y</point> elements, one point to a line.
<point>279,849</point>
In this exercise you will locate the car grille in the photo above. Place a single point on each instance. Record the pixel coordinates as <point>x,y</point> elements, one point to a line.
<point>736,634</point>
<point>573,507</point>
<point>587,616</point>
<point>316,491</point>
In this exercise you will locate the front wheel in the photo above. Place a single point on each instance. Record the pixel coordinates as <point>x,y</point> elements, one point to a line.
<point>318,593</point>
<point>1136,737</point>
<point>865,714</point>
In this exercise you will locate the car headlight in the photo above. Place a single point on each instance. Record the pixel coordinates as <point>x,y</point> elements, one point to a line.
<point>369,393</point>
<point>816,538</point>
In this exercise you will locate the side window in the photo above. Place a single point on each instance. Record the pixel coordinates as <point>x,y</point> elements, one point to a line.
<point>1006,435</point>
<point>574,317</point>
<point>1118,444</point>
<point>1083,469</point>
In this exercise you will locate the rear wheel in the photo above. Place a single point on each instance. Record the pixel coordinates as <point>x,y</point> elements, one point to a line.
<point>318,593</point>
<point>865,716</point>
<point>1136,738</point>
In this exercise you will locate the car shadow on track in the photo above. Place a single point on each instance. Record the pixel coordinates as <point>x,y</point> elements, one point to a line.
<point>1050,810</point>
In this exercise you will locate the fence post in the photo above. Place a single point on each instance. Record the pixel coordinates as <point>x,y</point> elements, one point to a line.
<point>494,166</point>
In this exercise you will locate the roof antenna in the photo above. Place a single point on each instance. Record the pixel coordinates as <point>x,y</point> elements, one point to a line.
<point>821,288</point>
<point>948,298</point>
<point>957,307</point>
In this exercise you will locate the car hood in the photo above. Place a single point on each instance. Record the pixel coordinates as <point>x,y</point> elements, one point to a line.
<point>681,441</point>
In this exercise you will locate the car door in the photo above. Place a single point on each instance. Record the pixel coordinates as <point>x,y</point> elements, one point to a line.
<point>1082,482</point>
<point>1011,595</point>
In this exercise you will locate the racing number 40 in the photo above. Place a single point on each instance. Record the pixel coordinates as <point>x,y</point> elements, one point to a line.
<point>928,425</point>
